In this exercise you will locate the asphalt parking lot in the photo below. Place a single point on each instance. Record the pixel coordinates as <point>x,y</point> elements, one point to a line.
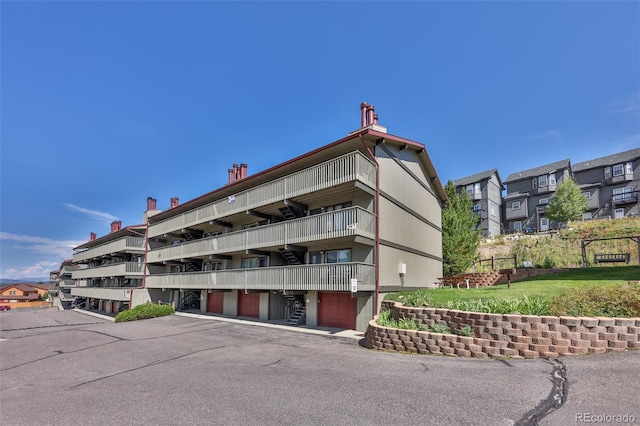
<point>66,367</point>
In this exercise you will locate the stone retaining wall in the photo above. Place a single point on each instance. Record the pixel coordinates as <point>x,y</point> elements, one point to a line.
<point>501,335</point>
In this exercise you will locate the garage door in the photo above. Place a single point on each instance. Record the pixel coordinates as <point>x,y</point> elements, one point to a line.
<point>337,310</point>
<point>248,304</point>
<point>215,302</point>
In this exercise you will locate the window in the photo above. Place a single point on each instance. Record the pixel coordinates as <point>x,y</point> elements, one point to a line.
<point>552,179</point>
<point>338,256</point>
<point>586,216</point>
<point>607,172</point>
<point>470,190</point>
<point>12,293</point>
<point>515,205</point>
<point>477,188</point>
<point>542,181</point>
<point>315,257</point>
<point>477,208</point>
<point>255,262</point>
<point>331,208</point>
<point>543,201</point>
<point>620,194</point>
<point>517,226</point>
<point>629,168</point>
<point>618,170</point>
<point>534,183</point>
<point>587,195</point>
<point>212,266</point>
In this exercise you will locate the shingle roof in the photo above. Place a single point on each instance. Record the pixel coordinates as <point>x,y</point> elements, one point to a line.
<point>477,178</point>
<point>537,171</point>
<point>515,195</point>
<point>608,160</point>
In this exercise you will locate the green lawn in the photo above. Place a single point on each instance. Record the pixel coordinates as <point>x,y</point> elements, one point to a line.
<point>547,286</point>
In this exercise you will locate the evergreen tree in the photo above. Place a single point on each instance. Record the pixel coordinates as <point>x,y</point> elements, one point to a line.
<point>567,204</point>
<point>460,239</point>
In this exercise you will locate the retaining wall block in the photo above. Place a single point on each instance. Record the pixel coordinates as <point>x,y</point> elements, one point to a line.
<point>618,329</point>
<point>550,320</point>
<point>618,344</point>
<point>519,346</point>
<point>570,321</point>
<point>606,322</point>
<point>463,352</point>
<point>434,349</point>
<point>479,355</point>
<point>597,350</point>
<point>579,343</point>
<point>626,322</point>
<point>447,351</point>
<point>578,350</point>
<point>527,354</point>
<point>628,337</point>
<point>562,350</point>
<point>589,322</point>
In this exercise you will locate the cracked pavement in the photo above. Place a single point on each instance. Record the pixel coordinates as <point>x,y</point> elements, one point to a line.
<point>64,367</point>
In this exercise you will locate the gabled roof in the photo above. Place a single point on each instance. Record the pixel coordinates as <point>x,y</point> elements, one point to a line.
<point>22,287</point>
<point>134,230</point>
<point>538,171</point>
<point>608,160</point>
<point>477,178</point>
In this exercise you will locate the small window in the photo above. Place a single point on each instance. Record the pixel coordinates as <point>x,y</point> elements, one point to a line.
<point>542,181</point>
<point>534,183</point>
<point>629,168</point>
<point>255,262</point>
<point>477,208</point>
<point>515,205</point>
<point>338,256</point>
<point>517,226</point>
<point>618,170</point>
<point>469,190</point>
<point>586,216</point>
<point>587,195</point>
<point>315,257</point>
<point>477,188</point>
<point>552,179</point>
<point>607,172</point>
<point>543,201</point>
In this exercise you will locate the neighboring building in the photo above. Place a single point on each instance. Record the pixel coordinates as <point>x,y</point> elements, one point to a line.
<point>23,292</point>
<point>611,184</point>
<point>65,283</point>
<point>105,269</point>
<point>318,239</point>
<point>485,191</point>
<point>528,194</point>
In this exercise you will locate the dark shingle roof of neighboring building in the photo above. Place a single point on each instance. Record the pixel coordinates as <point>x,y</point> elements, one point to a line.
<point>477,178</point>
<point>538,171</point>
<point>608,160</point>
<point>516,195</point>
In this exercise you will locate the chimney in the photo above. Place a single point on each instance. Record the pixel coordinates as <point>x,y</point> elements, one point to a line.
<point>92,236</point>
<point>243,171</point>
<point>151,203</point>
<point>363,114</point>
<point>174,202</point>
<point>375,119</point>
<point>369,115</point>
<point>116,225</point>
<point>230,175</point>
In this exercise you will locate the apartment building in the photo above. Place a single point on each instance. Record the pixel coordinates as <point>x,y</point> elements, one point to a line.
<point>485,192</point>
<point>528,194</point>
<point>611,184</point>
<point>105,269</point>
<point>316,240</point>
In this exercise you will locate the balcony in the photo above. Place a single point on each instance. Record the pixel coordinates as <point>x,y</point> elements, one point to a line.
<point>124,269</point>
<point>67,283</point>
<point>324,277</point>
<point>117,293</point>
<point>625,198</point>
<point>346,168</point>
<point>353,221</point>
<point>122,245</point>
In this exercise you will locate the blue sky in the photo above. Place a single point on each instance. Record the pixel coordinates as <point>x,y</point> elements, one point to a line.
<point>106,103</point>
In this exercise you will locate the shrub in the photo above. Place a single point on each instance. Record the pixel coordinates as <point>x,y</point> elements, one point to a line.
<point>466,331</point>
<point>440,328</point>
<point>385,319</point>
<point>145,311</point>
<point>418,298</point>
<point>615,301</point>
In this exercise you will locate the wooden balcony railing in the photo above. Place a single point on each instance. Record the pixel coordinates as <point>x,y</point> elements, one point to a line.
<point>349,167</point>
<point>121,245</point>
<point>323,277</point>
<point>113,270</point>
<point>340,223</point>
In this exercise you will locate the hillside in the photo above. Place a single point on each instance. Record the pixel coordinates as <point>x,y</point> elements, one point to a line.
<point>561,248</point>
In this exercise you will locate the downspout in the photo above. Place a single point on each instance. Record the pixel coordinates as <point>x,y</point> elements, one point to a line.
<point>144,264</point>
<point>377,244</point>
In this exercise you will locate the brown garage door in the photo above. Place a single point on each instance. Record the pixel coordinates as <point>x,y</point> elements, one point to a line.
<point>337,310</point>
<point>215,302</point>
<point>248,304</point>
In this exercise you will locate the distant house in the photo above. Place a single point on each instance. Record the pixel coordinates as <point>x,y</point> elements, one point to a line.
<point>528,194</point>
<point>15,293</point>
<point>485,191</point>
<point>611,184</point>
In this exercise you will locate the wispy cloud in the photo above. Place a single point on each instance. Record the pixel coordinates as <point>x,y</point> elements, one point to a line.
<point>546,135</point>
<point>95,214</point>
<point>49,251</point>
<point>629,104</point>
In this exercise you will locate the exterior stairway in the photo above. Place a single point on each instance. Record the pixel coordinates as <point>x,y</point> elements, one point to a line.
<point>298,317</point>
<point>290,256</point>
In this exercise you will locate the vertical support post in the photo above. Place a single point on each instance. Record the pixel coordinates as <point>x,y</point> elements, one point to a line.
<point>493,264</point>
<point>584,253</point>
